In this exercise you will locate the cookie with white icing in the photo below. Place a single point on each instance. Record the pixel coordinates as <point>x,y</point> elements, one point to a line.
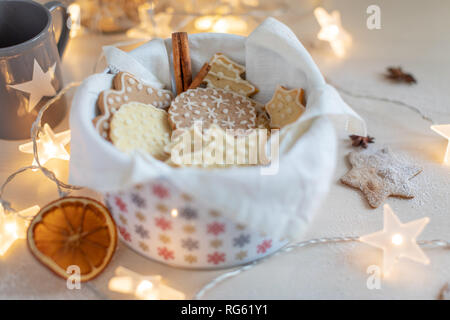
<point>217,150</point>
<point>227,74</point>
<point>285,107</point>
<point>126,88</point>
<point>226,109</point>
<point>137,126</point>
<point>379,174</point>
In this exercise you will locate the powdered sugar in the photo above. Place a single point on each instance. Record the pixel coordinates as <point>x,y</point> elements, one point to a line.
<point>379,174</point>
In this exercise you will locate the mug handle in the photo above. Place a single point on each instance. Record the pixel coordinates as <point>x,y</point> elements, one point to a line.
<point>65,32</point>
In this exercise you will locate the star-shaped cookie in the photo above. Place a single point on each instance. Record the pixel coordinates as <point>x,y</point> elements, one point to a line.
<point>378,174</point>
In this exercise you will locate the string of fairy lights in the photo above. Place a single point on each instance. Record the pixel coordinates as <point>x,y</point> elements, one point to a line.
<point>396,239</point>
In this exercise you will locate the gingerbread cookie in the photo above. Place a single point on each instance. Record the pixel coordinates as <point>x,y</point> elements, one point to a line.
<point>285,107</point>
<point>137,126</point>
<point>259,107</point>
<point>217,150</point>
<point>212,106</point>
<point>127,88</point>
<point>378,174</point>
<point>263,121</point>
<point>227,74</point>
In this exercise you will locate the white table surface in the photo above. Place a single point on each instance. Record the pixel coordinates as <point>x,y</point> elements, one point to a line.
<point>415,35</point>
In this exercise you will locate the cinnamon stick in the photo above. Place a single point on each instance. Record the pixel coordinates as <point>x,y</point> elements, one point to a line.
<point>181,61</point>
<point>177,63</point>
<point>200,76</point>
<point>185,61</point>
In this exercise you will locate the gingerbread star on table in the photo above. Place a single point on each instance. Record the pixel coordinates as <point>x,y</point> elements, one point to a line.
<point>379,174</point>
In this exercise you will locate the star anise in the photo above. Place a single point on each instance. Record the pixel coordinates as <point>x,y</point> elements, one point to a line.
<point>359,141</point>
<point>398,75</point>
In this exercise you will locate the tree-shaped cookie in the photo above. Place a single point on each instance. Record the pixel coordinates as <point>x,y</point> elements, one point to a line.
<point>285,107</point>
<point>227,74</point>
<point>127,88</point>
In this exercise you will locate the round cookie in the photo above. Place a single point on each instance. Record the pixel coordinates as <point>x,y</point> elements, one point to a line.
<point>218,149</point>
<point>226,109</point>
<point>137,126</point>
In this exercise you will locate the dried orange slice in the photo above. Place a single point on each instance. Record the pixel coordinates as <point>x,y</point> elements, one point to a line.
<point>73,231</point>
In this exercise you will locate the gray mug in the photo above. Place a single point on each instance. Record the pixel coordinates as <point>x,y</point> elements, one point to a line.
<point>29,65</point>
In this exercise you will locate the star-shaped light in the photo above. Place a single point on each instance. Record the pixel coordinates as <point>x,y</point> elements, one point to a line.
<point>49,145</point>
<point>74,11</point>
<point>13,227</point>
<point>398,240</point>
<point>143,287</point>
<point>39,86</point>
<point>444,130</point>
<point>332,30</point>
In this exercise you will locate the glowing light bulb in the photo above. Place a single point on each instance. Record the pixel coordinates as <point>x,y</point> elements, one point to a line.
<point>397,240</point>
<point>145,290</point>
<point>444,130</point>
<point>220,26</point>
<point>121,284</point>
<point>230,24</point>
<point>204,23</point>
<point>74,23</point>
<point>332,31</point>
<point>174,213</point>
<point>142,287</point>
<point>49,145</point>
<point>13,227</point>
<point>226,24</point>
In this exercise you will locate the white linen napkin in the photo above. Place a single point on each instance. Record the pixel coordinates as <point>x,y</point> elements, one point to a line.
<point>279,205</point>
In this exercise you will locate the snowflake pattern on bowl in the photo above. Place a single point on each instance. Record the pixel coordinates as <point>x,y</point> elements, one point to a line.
<point>241,240</point>
<point>141,231</point>
<point>188,213</point>
<point>189,244</point>
<point>198,237</point>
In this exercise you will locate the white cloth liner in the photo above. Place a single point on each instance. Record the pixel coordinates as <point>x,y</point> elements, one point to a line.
<point>279,205</point>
